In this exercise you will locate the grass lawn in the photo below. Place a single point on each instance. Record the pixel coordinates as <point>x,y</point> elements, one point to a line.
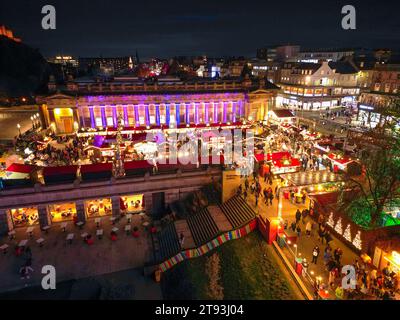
<point>247,271</point>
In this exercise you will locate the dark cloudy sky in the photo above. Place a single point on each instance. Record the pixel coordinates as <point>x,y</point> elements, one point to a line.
<point>214,27</point>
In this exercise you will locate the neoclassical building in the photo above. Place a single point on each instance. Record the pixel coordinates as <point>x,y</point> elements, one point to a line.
<point>165,103</point>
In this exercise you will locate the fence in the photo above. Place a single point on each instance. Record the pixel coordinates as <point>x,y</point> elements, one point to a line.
<point>198,252</point>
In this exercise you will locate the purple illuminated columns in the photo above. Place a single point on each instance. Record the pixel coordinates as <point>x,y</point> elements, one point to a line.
<point>103,116</point>
<point>224,111</point>
<point>167,114</point>
<point>147,115</point>
<point>92,119</point>
<point>136,115</point>
<point>158,114</point>
<point>196,112</point>
<point>126,119</point>
<point>215,112</point>
<point>115,116</point>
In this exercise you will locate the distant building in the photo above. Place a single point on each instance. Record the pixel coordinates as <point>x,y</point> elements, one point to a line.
<point>108,65</point>
<point>384,90</point>
<point>64,60</point>
<point>316,55</point>
<point>169,102</point>
<point>278,53</point>
<point>4,31</point>
<point>265,69</point>
<point>318,86</point>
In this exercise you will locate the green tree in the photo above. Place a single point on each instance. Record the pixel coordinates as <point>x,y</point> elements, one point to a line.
<point>380,185</point>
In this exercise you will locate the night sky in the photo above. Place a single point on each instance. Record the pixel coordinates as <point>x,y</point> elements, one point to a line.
<point>164,28</point>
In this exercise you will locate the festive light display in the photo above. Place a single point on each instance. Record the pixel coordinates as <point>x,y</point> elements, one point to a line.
<point>347,233</point>
<point>338,227</point>
<point>357,242</point>
<point>330,221</point>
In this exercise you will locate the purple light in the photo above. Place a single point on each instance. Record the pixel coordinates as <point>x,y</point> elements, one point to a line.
<point>147,115</point>
<point>206,106</point>
<point>224,112</point>
<point>103,116</point>
<point>187,112</point>
<point>158,114</point>
<point>92,120</point>
<point>215,112</point>
<point>126,119</point>
<point>196,113</point>
<point>115,116</point>
<point>167,114</point>
<point>136,115</point>
<point>233,111</point>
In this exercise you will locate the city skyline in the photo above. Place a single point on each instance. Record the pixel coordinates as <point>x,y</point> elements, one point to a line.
<point>175,29</point>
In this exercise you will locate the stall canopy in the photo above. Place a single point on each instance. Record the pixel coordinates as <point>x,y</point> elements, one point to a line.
<point>137,168</point>
<point>19,171</point>
<point>312,177</point>
<point>59,174</point>
<point>96,171</point>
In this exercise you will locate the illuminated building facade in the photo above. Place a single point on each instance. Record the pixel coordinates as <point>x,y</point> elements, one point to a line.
<point>318,86</point>
<point>167,103</point>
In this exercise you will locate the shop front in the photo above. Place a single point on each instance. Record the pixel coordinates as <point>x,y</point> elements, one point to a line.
<point>62,212</point>
<point>24,217</point>
<point>98,208</point>
<point>132,203</point>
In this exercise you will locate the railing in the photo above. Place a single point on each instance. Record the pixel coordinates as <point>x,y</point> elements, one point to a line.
<point>216,242</point>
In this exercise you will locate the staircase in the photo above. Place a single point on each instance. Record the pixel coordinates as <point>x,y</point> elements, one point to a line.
<point>237,211</point>
<point>168,242</point>
<point>202,227</point>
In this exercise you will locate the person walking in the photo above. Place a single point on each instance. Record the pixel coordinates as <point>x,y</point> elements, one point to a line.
<point>246,184</point>
<point>271,197</point>
<point>308,228</point>
<point>298,230</point>
<point>298,216</point>
<point>245,195</point>
<point>315,255</point>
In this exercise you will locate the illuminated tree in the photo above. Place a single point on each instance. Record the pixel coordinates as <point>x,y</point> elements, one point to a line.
<point>338,227</point>
<point>380,183</point>
<point>357,242</point>
<point>347,233</point>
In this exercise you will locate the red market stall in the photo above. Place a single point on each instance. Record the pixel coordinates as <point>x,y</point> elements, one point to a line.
<point>339,162</point>
<point>19,171</point>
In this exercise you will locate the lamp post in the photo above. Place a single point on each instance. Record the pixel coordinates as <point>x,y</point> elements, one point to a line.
<point>19,128</point>
<point>33,122</point>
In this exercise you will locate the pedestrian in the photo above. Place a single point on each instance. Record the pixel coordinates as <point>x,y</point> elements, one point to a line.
<point>298,216</point>
<point>293,226</point>
<point>304,214</point>
<point>315,255</point>
<point>271,197</point>
<point>320,220</point>
<point>308,228</point>
<point>303,197</point>
<point>266,196</point>
<point>246,184</point>
<point>298,229</point>
<point>245,195</point>
<point>328,237</point>
<point>331,278</point>
<point>256,199</point>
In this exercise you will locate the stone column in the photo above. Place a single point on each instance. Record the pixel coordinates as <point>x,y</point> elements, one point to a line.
<point>115,201</point>
<point>4,227</point>
<point>44,217</point>
<point>80,211</point>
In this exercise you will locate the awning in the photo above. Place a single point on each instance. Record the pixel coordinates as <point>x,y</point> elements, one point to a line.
<point>98,167</point>
<point>20,168</point>
<point>61,170</point>
<point>312,177</point>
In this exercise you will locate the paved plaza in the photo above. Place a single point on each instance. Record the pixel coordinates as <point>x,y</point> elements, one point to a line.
<point>77,260</point>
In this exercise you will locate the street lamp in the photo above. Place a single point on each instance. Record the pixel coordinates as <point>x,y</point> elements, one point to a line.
<point>295,246</point>
<point>19,128</point>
